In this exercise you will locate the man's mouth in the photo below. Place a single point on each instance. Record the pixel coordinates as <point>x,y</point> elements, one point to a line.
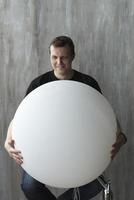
<point>61,66</point>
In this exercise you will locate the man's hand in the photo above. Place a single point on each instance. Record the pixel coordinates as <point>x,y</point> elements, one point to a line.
<point>14,153</point>
<point>10,146</point>
<point>120,141</point>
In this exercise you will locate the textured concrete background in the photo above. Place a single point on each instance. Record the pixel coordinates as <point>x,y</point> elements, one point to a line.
<point>103,32</point>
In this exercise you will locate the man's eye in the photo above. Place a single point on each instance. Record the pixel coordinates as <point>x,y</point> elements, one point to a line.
<point>65,58</point>
<point>54,57</point>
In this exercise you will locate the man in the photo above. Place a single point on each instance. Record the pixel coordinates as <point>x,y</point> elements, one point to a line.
<point>62,53</point>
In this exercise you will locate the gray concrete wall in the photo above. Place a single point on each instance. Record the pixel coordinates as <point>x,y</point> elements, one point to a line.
<point>103,32</point>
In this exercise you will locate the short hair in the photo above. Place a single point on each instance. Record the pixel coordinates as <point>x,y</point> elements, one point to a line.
<point>62,41</point>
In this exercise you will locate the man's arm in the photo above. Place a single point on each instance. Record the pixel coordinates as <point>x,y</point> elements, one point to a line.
<point>9,146</point>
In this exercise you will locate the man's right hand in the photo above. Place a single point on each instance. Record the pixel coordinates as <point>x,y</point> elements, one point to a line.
<point>10,146</point>
<point>14,153</point>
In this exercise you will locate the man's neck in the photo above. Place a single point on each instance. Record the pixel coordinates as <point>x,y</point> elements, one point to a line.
<point>64,76</point>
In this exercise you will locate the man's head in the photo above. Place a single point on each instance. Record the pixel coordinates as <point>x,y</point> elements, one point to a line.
<point>63,41</point>
<point>62,53</point>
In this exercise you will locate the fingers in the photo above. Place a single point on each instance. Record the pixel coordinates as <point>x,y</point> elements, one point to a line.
<point>113,153</point>
<point>115,150</point>
<point>18,161</point>
<point>14,153</point>
<point>116,146</point>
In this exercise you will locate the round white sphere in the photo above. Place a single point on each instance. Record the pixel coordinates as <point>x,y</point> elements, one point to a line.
<point>65,131</point>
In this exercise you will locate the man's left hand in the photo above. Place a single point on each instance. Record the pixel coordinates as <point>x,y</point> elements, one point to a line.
<point>120,141</point>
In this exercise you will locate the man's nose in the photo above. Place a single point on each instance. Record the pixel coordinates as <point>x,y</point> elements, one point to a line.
<point>59,61</point>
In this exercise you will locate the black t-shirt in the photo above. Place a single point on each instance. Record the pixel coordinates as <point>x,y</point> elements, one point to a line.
<point>49,77</point>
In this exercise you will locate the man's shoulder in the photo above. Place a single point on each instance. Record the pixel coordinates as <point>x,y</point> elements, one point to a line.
<point>42,78</point>
<point>38,81</point>
<point>87,79</point>
<point>86,76</point>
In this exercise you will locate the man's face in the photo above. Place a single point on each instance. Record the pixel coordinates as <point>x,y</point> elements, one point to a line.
<point>61,60</point>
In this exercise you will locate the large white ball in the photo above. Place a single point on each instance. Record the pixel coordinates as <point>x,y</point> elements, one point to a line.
<point>65,131</point>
